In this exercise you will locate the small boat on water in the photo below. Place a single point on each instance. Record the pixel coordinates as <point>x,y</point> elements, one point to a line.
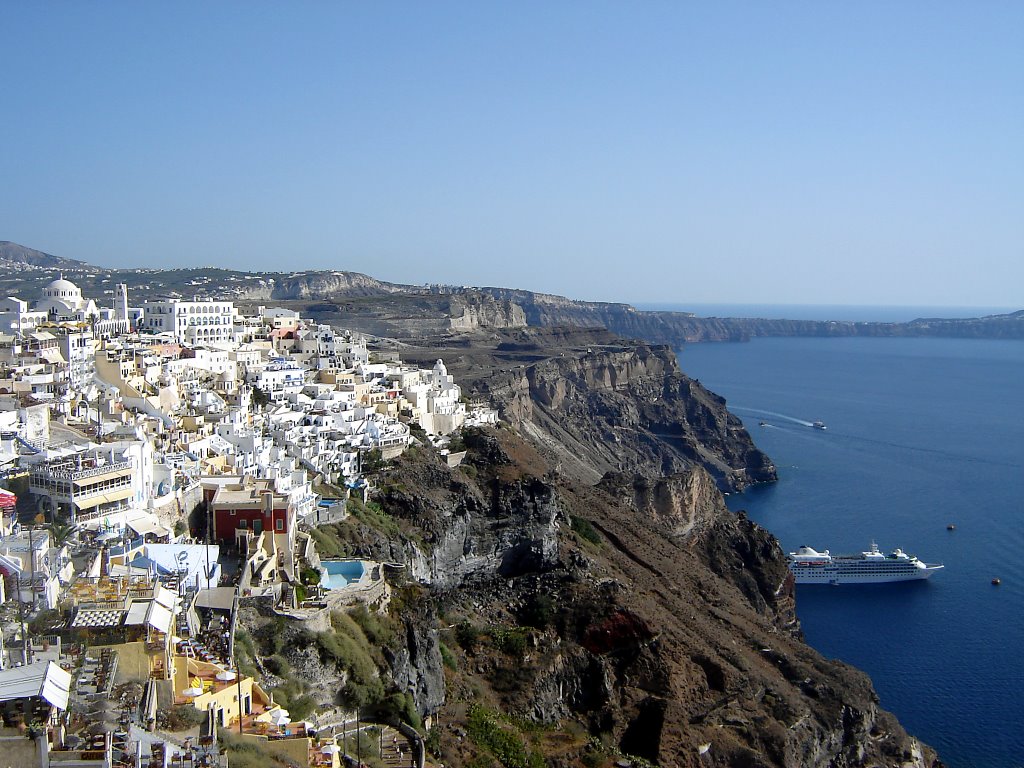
<point>819,425</point>
<point>764,423</point>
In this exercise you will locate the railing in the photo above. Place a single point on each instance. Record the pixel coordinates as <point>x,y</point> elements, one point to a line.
<point>83,517</point>
<point>135,543</point>
<point>45,473</point>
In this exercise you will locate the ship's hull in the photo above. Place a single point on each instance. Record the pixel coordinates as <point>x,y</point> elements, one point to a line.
<point>837,574</point>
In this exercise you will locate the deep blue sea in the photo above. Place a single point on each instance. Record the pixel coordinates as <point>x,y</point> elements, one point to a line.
<point>922,433</point>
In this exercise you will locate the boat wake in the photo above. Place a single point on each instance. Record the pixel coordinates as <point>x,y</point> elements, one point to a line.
<point>760,412</point>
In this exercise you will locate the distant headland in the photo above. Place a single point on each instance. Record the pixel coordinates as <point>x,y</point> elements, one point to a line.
<point>382,308</point>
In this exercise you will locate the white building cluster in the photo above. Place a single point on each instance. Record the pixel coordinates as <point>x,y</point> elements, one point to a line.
<point>114,412</point>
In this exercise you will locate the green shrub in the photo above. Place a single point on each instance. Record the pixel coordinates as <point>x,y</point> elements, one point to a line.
<point>374,626</point>
<point>510,641</point>
<point>584,529</point>
<point>277,665</point>
<point>401,706</point>
<point>245,653</point>
<point>347,647</point>
<point>46,622</point>
<point>467,636</point>
<point>433,741</point>
<point>301,707</point>
<point>368,747</point>
<point>372,515</point>
<point>448,658</point>
<point>456,443</point>
<point>328,542</point>
<point>372,461</point>
<point>501,740</point>
<point>270,636</point>
<point>539,611</point>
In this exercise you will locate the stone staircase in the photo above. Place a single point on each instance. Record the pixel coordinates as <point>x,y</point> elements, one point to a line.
<point>397,750</point>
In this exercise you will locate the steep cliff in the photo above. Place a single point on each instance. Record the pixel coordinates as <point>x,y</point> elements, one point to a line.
<point>476,311</point>
<point>634,617</point>
<point>674,328</point>
<point>627,408</point>
<point>508,308</point>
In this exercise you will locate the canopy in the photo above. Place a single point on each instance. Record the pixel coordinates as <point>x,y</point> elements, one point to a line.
<point>159,617</point>
<point>7,499</point>
<point>47,681</point>
<point>146,523</point>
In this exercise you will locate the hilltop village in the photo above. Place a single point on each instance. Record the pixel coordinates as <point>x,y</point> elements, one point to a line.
<point>162,466</point>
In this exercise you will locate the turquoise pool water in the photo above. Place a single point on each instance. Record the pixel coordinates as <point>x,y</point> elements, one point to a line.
<point>336,574</point>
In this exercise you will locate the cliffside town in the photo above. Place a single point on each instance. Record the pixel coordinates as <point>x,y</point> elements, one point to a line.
<point>237,534</point>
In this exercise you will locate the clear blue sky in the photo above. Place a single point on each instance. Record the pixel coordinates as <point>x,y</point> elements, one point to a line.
<point>822,152</point>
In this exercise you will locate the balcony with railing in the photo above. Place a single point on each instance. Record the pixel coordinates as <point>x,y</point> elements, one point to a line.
<point>69,471</point>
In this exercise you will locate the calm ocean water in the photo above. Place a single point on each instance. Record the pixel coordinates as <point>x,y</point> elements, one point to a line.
<point>922,433</point>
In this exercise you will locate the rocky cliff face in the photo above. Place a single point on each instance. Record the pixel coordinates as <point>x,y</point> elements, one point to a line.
<point>647,615</point>
<point>471,309</point>
<point>675,328</point>
<point>628,408</point>
<point>478,311</point>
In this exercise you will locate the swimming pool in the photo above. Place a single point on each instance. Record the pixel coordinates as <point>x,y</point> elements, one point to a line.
<point>336,574</point>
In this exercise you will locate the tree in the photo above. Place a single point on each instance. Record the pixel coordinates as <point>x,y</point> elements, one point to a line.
<point>62,532</point>
<point>259,397</point>
<point>372,461</point>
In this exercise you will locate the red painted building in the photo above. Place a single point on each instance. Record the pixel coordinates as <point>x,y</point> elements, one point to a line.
<point>247,506</point>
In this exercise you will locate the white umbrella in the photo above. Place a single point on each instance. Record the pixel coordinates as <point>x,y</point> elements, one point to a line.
<point>280,717</point>
<point>108,536</point>
<point>192,692</point>
<point>331,749</point>
<point>226,675</point>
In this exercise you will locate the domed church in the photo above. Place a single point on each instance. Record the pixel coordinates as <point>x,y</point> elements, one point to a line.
<point>62,301</point>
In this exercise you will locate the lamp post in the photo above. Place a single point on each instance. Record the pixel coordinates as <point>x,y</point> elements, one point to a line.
<point>238,678</point>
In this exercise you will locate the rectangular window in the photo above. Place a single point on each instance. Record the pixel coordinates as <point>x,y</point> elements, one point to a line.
<point>243,523</point>
<point>279,524</point>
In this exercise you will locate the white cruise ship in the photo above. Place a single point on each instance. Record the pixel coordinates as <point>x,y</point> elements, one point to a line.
<point>872,567</point>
